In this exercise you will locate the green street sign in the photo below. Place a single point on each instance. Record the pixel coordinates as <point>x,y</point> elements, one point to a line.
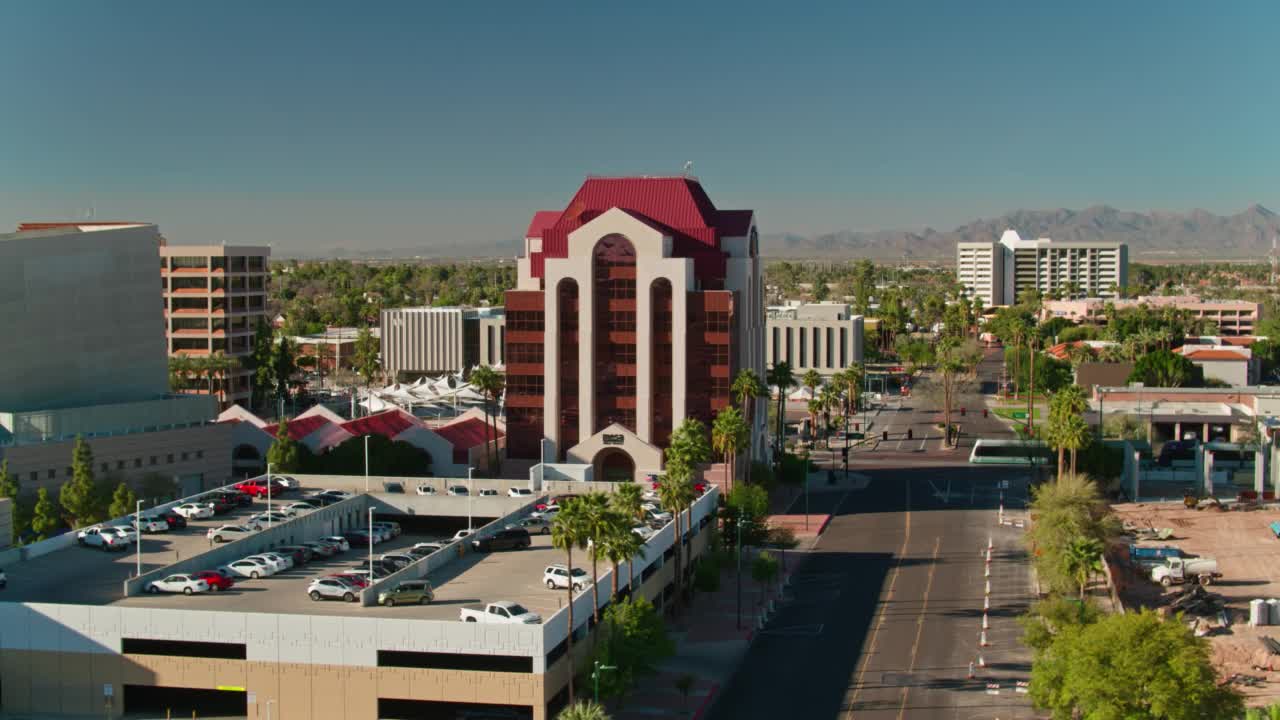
<point>1019,414</point>
<point>857,436</point>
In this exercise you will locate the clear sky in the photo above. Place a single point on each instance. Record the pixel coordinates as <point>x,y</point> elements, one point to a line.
<point>312,124</point>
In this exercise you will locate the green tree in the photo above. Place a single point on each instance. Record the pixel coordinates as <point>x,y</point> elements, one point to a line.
<point>634,640</point>
<point>953,372</point>
<point>285,453</point>
<point>1066,429</point>
<point>1049,617</point>
<point>747,388</point>
<point>490,383</point>
<point>260,361</point>
<point>687,450</point>
<point>585,710</point>
<point>569,530</point>
<point>158,488</point>
<point>78,495</point>
<point>1067,510</point>
<point>1131,667</point>
<point>283,365</point>
<point>598,521</point>
<point>618,545</point>
<point>11,488</point>
<point>627,499</point>
<point>44,519</point>
<point>781,377</point>
<point>764,570</point>
<point>748,504</point>
<point>1163,368</point>
<point>367,358</point>
<point>728,436</point>
<point>1082,559</point>
<point>123,502</point>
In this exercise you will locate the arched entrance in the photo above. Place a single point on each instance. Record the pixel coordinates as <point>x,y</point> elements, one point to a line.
<point>613,465</point>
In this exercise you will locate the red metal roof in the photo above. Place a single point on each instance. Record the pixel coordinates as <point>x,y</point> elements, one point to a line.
<point>388,424</point>
<point>678,205</point>
<point>1215,355</point>
<point>542,220</point>
<point>299,427</point>
<point>466,434</point>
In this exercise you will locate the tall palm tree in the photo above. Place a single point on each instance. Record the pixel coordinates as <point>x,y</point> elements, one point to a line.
<point>1082,558</point>
<point>627,499</point>
<point>180,369</point>
<point>813,380</point>
<point>830,396</point>
<point>781,377</point>
<point>728,435</point>
<point>621,545</point>
<point>569,531</point>
<point>747,388</point>
<point>597,519</point>
<point>675,494</point>
<point>490,383</point>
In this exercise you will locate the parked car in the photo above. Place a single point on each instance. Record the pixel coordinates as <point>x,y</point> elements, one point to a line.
<point>298,508</point>
<point>236,498</point>
<point>657,515</point>
<point>175,521</point>
<point>227,533</point>
<point>356,581</point>
<point>392,486</point>
<point>461,534</point>
<point>384,565</point>
<point>330,589</point>
<point>425,489</point>
<point>285,559</point>
<point>502,611</point>
<point>338,541</point>
<point>128,531</point>
<point>378,572</point>
<point>536,525</point>
<point>221,504</point>
<point>248,568</point>
<point>320,548</point>
<point>408,592</point>
<point>556,501</point>
<point>458,490</point>
<point>359,538</point>
<point>301,554</point>
<point>429,547</point>
<point>644,531</point>
<point>338,495</point>
<point>488,492</point>
<point>195,511</point>
<point>322,500</point>
<point>505,539</point>
<point>394,527</point>
<point>259,487</point>
<point>185,584</point>
<point>103,537</point>
<point>148,523</point>
<point>289,483</point>
<point>519,492</point>
<point>216,580</point>
<point>400,560</point>
<point>558,577</point>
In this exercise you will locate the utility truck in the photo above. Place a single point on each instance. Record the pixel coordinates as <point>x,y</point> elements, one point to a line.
<point>1177,570</point>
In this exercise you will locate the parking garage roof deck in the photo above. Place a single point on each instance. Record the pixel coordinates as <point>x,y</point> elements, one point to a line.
<point>88,576</point>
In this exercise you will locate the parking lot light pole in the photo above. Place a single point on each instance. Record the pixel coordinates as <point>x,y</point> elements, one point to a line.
<point>371,545</point>
<point>137,522</point>
<point>471,493</point>
<point>366,463</point>
<point>741,516</point>
<point>268,496</point>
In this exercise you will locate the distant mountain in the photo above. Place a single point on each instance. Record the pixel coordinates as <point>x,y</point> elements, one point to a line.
<point>1151,236</point>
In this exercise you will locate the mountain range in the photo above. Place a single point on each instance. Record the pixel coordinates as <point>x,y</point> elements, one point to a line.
<point>1152,236</point>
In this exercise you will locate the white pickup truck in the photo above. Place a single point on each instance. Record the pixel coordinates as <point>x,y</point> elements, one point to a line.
<point>1177,570</point>
<point>107,538</point>
<point>502,611</point>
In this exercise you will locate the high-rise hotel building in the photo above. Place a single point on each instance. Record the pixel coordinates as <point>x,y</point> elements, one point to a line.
<point>997,272</point>
<point>635,307</point>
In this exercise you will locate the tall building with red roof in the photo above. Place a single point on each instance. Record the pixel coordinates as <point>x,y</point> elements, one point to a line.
<point>635,307</point>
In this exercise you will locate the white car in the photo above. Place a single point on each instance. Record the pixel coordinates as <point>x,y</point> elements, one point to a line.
<point>342,543</point>
<point>339,494</point>
<point>278,563</point>
<point>149,524</point>
<point>265,520</point>
<point>428,546</point>
<point>288,482</point>
<point>557,577</point>
<point>488,492</point>
<point>458,490</point>
<point>186,584</point>
<point>227,533</point>
<point>657,515</point>
<point>644,531</point>
<point>548,513</point>
<point>516,492</point>
<point>330,588</point>
<point>128,531</point>
<point>426,489</point>
<point>248,568</point>
<point>461,534</point>
<point>104,537</point>
<point>195,511</point>
<point>298,508</point>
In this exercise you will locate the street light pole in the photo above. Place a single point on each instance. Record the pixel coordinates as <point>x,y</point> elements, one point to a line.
<point>595,677</point>
<point>137,523</point>
<point>471,492</point>
<point>268,496</point>
<point>366,463</point>
<point>371,545</point>
<point>741,516</point>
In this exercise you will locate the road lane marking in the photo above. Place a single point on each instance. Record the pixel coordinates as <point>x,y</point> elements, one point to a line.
<point>875,633</point>
<point>924,609</point>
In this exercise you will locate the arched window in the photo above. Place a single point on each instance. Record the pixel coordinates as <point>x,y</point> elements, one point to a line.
<point>567,369</point>
<point>614,327</point>
<point>660,378</point>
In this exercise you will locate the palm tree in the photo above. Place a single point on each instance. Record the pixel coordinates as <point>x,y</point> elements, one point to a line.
<point>747,388</point>
<point>675,494</point>
<point>781,377</point>
<point>598,521</point>
<point>813,380</point>
<point>728,435</point>
<point>569,531</point>
<point>850,379</point>
<point>490,383</point>
<point>585,710</point>
<point>1082,559</point>
<point>627,499</point>
<point>180,369</point>
<point>830,397</point>
<point>621,545</point>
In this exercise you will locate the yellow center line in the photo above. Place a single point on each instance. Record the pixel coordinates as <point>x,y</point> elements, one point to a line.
<point>893,580</point>
<point>924,609</point>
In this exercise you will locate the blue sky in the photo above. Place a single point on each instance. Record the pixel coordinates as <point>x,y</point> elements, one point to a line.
<point>314,124</point>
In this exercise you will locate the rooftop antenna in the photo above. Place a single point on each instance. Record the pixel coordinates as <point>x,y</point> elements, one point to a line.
<point>688,168</point>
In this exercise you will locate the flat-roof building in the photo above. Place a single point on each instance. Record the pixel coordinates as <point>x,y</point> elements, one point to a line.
<point>635,307</point>
<point>826,337</point>
<point>1232,317</point>
<point>997,272</point>
<point>419,341</point>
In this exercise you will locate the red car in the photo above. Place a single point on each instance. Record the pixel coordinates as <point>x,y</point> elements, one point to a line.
<point>216,580</point>
<point>357,580</point>
<point>258,487</point>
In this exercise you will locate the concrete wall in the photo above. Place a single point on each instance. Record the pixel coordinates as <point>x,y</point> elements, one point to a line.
<point>86,310</point>
<point>204,450</point>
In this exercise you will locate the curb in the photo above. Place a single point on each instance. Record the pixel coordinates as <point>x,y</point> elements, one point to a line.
<point>707,702</point>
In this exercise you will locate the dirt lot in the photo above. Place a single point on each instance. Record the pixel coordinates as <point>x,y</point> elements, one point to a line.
<point>1248,556</point>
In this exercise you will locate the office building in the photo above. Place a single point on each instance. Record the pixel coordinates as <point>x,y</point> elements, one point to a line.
<point>83,305</point>
<point>634,308</point>
<point>1233,318</point>
<point>998,272</point>
<point>420,341</point>
<point>826,337</point>
<point>214,298</point>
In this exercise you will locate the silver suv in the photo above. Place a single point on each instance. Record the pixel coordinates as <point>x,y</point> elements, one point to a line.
<point>331,589</point>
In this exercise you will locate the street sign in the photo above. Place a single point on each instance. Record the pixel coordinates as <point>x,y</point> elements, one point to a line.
<point>1019,414</point>
<point>856,436</point>
<point>107,690</point>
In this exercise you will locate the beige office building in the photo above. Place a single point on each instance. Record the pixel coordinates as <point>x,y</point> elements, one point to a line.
<point>998,272</point>
<point>826,337</point>
<point>214,297</point>
<point>419,341</point>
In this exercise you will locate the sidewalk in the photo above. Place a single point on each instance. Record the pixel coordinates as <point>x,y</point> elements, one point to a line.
<point>709,646</point>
